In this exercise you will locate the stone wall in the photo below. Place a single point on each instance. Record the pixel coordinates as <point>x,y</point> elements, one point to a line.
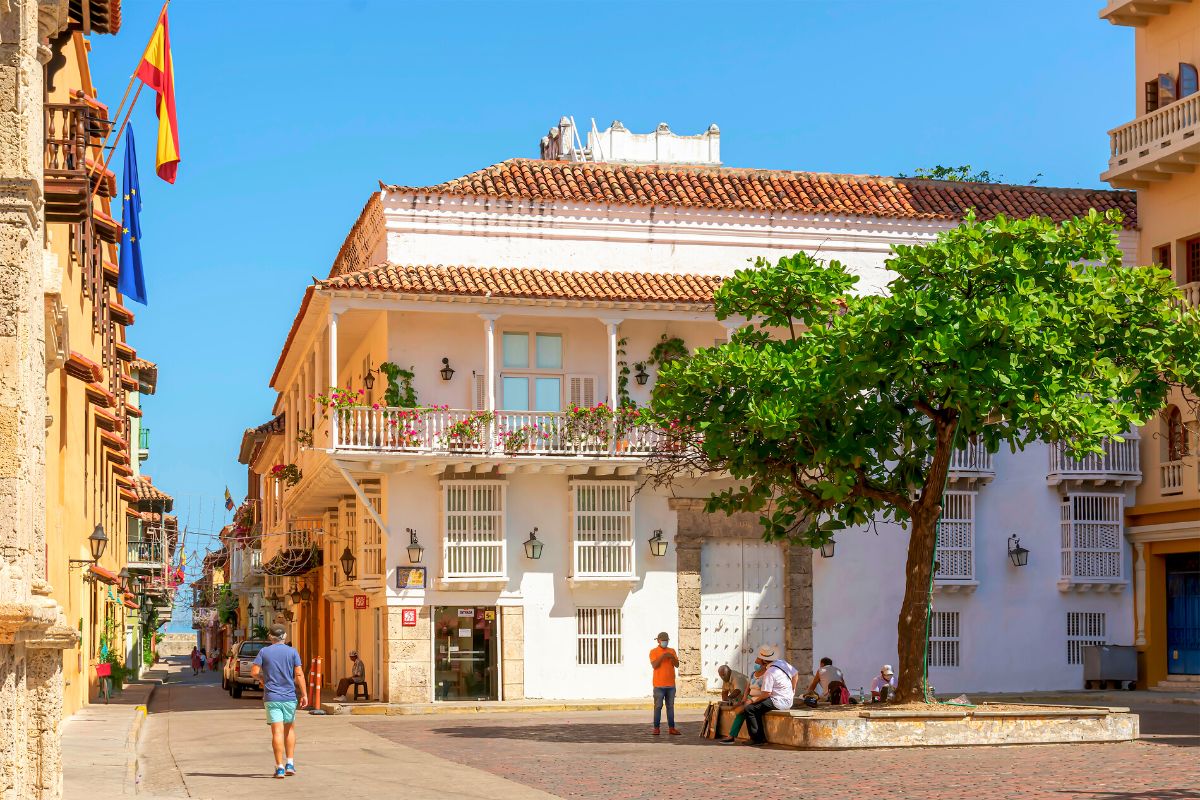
<point>408,657</point>
<point>694,528</point>
<point>176,644</point>
<point>512,643</point>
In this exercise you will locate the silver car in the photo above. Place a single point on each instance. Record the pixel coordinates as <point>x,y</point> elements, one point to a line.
<point>237,666</point>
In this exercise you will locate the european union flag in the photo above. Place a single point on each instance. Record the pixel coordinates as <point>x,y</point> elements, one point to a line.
<point>130,280</point>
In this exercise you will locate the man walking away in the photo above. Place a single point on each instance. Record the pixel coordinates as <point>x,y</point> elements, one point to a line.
<point>358,674</point>
<point>278,669</point>
<point>776,693</point>
<point>664,660</point>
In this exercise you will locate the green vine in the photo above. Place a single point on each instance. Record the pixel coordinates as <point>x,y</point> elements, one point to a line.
<point>623,398</point>
<point>668,349</point>
<point>400,392</point>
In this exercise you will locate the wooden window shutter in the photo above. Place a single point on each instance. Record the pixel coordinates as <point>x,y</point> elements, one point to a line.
<point>581,390</point>
<point>1152,95</point>
<point>478,391</point>
<point>1193,260</point>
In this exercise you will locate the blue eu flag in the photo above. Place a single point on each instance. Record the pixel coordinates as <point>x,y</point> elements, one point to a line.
<point>130,280</point>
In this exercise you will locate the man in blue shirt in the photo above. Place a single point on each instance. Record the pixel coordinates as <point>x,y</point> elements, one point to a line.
<point>278,670</point>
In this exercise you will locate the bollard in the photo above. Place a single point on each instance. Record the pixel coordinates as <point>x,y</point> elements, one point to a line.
<point>314,681</point>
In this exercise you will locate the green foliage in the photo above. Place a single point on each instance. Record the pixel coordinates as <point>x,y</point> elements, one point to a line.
<point>227,605</point>
<point>258,631</point>
<point>400,392</point>
<point>666,350</point>
<point>623,398</point>
<point>963,172</point>
<point>996,330</point>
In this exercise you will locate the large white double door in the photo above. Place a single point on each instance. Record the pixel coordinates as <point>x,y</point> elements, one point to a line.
<point>741,603</point>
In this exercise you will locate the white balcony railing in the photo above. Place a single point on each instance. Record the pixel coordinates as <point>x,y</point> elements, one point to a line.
<point>972,459</point>
<point>1171,477</point>
<point>1157,139</point>
<point>1191,294</point>
<point>1118,463</point>
<point>473,558</point>
<point>603,559</point>
<point>145,552</point>
<point>516,433</point>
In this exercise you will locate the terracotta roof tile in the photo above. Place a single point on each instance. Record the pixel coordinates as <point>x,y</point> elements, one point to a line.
<point>535,284</point>
<point>146,491</point>
<point>773,190</point>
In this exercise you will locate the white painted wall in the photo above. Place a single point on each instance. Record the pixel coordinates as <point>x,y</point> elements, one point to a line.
<point>1013,626</point>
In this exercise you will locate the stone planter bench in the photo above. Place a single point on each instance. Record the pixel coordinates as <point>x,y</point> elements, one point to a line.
<point>942,726</point>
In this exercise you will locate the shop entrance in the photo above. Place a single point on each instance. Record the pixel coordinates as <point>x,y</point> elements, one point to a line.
<point>1183,614</point>
<point>466,652</point>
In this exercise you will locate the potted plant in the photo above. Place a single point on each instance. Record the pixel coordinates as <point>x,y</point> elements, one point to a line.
<point>627,419</point>
<point>290,474</point>
<point>468,432</point>
<point>589,427</point>
<point>521,439</point>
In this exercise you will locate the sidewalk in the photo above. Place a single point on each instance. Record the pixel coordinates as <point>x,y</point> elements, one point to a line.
<point>99,742</point>
<point>364,707</point>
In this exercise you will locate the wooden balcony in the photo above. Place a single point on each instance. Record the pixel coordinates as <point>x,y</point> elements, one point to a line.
<point>1170,478</point>
<point>74,133</point>
<point>1156,146</point>
<point>972,463</point>
<point>1119,464</point>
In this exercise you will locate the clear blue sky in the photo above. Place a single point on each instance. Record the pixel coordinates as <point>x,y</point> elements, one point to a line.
<point>291,111</point>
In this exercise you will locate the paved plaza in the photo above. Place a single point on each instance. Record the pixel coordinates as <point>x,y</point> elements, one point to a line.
<point>198,742</point>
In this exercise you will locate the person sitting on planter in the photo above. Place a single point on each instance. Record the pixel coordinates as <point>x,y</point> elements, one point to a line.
<point>832,684</point>
<point>734,685</point>
<point>884,684</point>
<point>775,694</point>
<point>739,708</point>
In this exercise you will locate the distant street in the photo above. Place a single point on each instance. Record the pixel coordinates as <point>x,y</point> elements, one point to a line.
<point>198,742</point>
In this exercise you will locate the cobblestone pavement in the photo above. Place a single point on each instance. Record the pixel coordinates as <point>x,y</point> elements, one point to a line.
<point>611,755</point>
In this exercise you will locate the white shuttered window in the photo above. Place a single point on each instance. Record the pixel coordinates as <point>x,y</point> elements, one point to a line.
<point>1084,628</point>
<point>943,639</point>
<point>956,537</point>
<point>602,528</point>
<point>473,529</point>
<point>1091,536</point>
<point>598,636</point>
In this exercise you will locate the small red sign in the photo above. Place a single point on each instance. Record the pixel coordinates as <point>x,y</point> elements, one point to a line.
<point>408,617</point>
<point>360,601</point>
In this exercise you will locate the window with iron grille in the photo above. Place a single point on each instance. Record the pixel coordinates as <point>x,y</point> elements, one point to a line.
<point>602,528</point>
<point>473,529</point>
<point>1192,253</point>
<point>1091,536</point>
<point>1084,628</point>
<point>1162,256</point>
<point>943,639</point>
<point>956,537</point>
<point>598,636</point>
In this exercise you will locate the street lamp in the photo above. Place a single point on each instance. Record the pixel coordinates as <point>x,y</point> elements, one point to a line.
<point>1018,554</point>
<point>347,560</point>
<point>447,372</point>
<point>533,547</point>
<point>275,600</point>
<point>415,550</point>
<point>658,545</point>
<point>96,543</point>
<point>295,595</point>
<point>827,548</point>
<point>641,376</point>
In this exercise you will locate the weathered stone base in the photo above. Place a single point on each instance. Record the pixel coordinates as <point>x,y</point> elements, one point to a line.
<point>814,730</point>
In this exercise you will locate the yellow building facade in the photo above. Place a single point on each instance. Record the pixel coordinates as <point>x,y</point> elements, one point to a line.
<point>1157,153</point>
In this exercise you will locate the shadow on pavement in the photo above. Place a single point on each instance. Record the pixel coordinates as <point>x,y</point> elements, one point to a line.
<point>252,776</point>
<point>573,733</point>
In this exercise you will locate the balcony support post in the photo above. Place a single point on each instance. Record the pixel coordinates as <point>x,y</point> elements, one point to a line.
<point>489,393</point>
<point>614,331</point>
<point>333,374</point>
<point>1139,594</point>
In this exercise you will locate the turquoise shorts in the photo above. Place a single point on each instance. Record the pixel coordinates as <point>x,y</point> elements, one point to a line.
<point>281,711</point>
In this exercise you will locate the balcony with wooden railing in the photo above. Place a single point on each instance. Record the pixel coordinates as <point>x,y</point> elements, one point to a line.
<point>73,135</point>
<point>972,462</point>
<point>1155,146</point>
<point>1119,464</point>
<point>1170,474</point>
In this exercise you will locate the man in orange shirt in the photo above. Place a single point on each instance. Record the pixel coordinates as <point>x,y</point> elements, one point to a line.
<point>664,660</point>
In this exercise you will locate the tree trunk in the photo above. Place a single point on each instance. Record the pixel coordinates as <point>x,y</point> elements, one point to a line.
<point>914,611</point>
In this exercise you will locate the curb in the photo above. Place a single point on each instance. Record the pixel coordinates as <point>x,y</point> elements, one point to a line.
<point>433,709</point>
<point>140,713</point>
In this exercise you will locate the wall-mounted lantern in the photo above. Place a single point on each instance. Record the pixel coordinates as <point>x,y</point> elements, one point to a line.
<point>658,545</point>
<point>295,595</point>
<point>96,543</point>
<point>369,380</point>
<point>276,601</point>
<point>447,372</point>
<point>415,550</point>
<point>533,545</point>
<point>641,376</point>
<point>348,560</point>
<point>306,594</point>
<point>1018,554</point>
<point>827,548</point>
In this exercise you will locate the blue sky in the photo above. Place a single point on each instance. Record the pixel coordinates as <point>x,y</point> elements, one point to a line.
<point>291,111</point>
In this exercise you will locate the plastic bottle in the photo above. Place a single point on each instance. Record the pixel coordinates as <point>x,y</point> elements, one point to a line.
<point>862,698</point>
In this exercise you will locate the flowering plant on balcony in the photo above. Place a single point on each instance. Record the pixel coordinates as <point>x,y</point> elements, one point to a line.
<point>522,438</point>
<point>469,431</point>
<point>406,424</point>
<point>588,425</point>
<point>288,473</point>
<point>304,438</point>
<point>338,399</point>
<point>243,519</point>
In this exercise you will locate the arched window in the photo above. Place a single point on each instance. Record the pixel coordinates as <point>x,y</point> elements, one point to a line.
<point>1177,435</point>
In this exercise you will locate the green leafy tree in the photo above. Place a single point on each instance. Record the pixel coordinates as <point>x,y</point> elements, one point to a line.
<point>963,172</point>
<point>831,410</point>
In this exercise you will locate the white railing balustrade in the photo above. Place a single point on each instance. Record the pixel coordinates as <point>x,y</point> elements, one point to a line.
<point>1170,122</point>
<point>1118,461</point>
<point>1171,477</point>
<point>473,558</point>
<point>971,457</point>
<point>1191,294</point>
<point>144,551</point>
<point>603,559</point>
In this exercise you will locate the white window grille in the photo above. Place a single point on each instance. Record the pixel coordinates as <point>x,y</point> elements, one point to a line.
<point>956,537</point>
<point>473,529</point>
<point>1091,536</point>
<point>943,639</point>
<point>1084,628</point>
<point>370,565</point>
<point>602,528</point>
<point>333,551</point>
<point>598,636</point>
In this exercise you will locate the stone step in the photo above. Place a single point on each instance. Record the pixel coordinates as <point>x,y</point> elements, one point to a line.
<point>1177,686</point>
<point>1182,679</point>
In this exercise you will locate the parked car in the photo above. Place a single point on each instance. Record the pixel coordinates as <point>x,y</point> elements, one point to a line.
<point>237,676</point>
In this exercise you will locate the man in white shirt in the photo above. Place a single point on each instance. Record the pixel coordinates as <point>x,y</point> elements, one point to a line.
<point>830,680</point>
<point>884,684</point>
<point>776,693</point>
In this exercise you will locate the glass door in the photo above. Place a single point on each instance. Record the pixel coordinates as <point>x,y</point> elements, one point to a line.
<point>465,653</point>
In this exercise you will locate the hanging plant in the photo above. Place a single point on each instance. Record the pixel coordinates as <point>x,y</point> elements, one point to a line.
<point>400,392</point>
<point>304,437</point>
<point>623,398</point>
<point>288,473</point>
<point>668,349</point>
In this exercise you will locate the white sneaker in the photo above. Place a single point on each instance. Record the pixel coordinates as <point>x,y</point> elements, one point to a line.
<point>341,698</point>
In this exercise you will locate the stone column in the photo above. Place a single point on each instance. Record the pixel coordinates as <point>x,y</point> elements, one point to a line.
<point>512,651</point>
<point>1139,594</point>
<point>408,657</point>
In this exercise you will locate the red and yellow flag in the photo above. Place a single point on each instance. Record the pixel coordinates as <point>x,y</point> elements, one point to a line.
<point>157,72</point>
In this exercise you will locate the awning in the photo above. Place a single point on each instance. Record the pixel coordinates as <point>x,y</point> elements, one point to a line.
<point>103,575</point>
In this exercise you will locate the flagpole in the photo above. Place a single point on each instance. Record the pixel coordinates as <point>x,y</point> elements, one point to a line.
<point>117,141</point>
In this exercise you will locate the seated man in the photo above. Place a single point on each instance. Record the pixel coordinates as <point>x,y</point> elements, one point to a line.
<point>740,708</point>
<point>734,685</point>
<point>830,680</point>
<point>775,694</point>
<point>358,674</point>
<point>884,684</point>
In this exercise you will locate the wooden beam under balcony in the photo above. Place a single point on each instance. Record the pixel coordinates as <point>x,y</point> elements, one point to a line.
<point>1137,13</point>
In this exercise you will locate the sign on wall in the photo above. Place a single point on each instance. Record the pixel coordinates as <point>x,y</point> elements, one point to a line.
<point>408,617</point>
<point>360,601</point>
<point>410,577</point>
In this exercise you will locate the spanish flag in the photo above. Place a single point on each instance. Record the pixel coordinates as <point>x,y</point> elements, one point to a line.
<point>157,72</point>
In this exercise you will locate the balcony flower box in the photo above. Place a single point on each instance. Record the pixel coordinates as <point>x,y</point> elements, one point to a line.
<point>468,433</point>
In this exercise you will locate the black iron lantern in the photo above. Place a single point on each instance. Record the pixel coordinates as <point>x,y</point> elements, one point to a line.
<point>348,560</point>
<point>97,542</point>
<point>369,380</point>
<point>533,545</point>
<point>250,610</point>
<point>295,595</point>
<point>641,376</point>
<point>827,548</point>
<point>658,545</point>
<point>1018,554</point>
<point>415,550</point>
<point>125,578</point>
<point>447,372</point>
<point>276,601</point>
<point>306,594</point>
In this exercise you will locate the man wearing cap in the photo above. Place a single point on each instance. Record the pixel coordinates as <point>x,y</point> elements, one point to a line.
<point>278,669</point>
<point>664,660</point>
<point>358,674</point>
<point>884,684</point>
<point>775,694</point>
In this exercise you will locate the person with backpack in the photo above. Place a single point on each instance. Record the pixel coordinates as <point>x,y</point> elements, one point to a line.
<point>831,682</point>
<point>775,694</point>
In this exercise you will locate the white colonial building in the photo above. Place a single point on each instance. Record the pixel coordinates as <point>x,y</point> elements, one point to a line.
<point>508,295</point>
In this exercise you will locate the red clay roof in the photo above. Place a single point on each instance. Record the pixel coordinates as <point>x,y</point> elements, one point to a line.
<point>146,491</point>
<point>514,282</point>
<point>773,190</point>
